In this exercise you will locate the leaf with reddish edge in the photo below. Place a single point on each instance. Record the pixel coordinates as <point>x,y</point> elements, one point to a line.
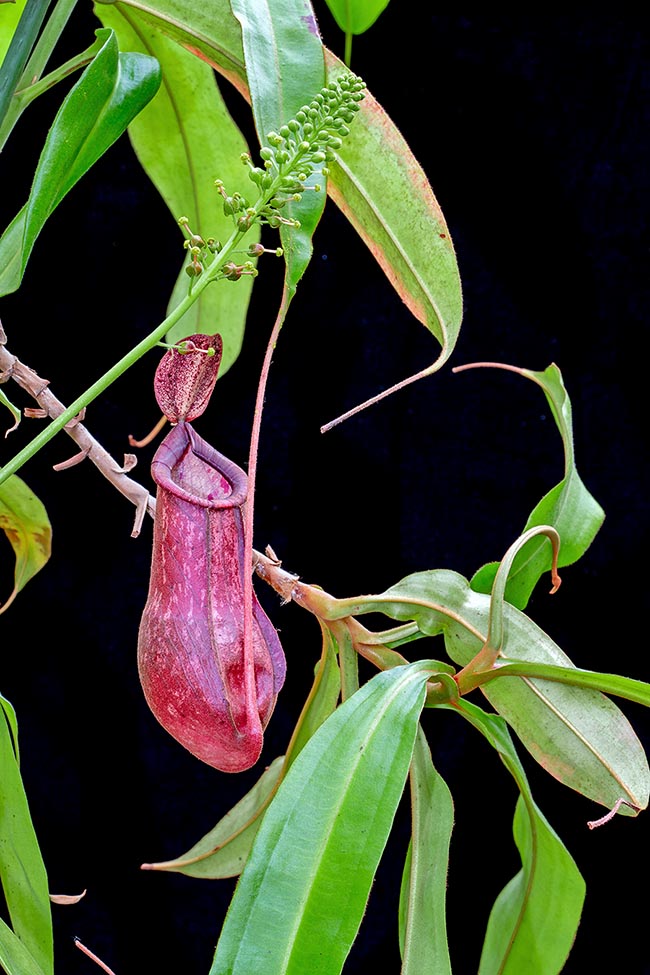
<point>376,180</point>
<point>186,376</point>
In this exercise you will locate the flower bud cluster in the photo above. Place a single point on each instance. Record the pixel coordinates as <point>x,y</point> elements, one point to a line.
<point>300,149</point>
<point>305,145</point>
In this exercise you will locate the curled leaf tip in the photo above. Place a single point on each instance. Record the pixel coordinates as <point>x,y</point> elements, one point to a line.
<point>67,898</point>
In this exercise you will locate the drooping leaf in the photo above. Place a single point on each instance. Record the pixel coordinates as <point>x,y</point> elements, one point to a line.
<point>625,687</point>
<point>109,94</point>
<point>321,839</point>
<point>323,697</point>
<point>534,920</point>
<point>22,872</point>
<point>185,138</point>
<point>568,507</point>
<point>356,16</point>
<point>375,175</point>
<point>24,520</point>
<point>577,734</point>
<point>15,958</point>
<point>223,851</point>
<point>422,911</point>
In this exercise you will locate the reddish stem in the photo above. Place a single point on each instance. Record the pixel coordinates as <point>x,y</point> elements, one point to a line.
<point>249,509</point>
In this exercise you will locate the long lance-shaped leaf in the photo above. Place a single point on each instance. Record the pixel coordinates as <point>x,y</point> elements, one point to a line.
<point>17,37</point>
<point>223,851</point>
<point>377,182</point>
<point>625,687</point>
<point>285,67</point>
<point>534,920</point>
<point>568,507</point>
<point>22,872</point>
<point>96,111</point>
<point>321,840</point>
<point>422,910</point>
<point>24,520</point>
<point>577,734</point>
<point>184,139</point>
<point>15,958</point>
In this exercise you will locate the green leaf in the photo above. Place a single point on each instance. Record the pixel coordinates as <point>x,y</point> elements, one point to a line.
<point>25,523</point>
<point>626,687</point>
<point>285,67</point>
<point>10,717</point>
<point>223,851</point>
<point>322,699</point>
<point>185,138</point>
<point>377,182</point>
<point>9,19</point>
<point>16,42</point>
<point>356,16</point>
<point>321,839</point>
<point>15,959</point>
<point>15,412</point>
<point>22,871</point>
<point>578,735</point>
<point>534,920</point>
<point>423,926</point>
<point>109,94</point>
<point>568,507</point>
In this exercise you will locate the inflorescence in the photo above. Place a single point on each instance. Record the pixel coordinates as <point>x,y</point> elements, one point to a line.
<point>301,148</point>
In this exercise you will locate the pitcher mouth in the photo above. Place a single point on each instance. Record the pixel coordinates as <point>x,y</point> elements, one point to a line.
<point>192,470</point>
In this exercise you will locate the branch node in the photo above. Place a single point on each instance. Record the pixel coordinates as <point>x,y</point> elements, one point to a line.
<point>75,419</point>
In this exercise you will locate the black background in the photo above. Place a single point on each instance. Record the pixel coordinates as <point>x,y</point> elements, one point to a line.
<point>533,133</point>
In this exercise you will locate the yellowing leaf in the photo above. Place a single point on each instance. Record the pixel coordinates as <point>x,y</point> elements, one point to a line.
<point>25,523</point>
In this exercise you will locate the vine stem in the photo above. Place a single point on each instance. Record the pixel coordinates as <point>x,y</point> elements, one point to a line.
<point>253,449</point>
<point>148,343</point>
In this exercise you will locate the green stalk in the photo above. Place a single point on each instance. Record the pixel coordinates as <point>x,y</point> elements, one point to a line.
<point>124,363</point>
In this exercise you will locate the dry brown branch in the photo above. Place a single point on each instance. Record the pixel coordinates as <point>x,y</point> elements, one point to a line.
<point>27,379</point>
